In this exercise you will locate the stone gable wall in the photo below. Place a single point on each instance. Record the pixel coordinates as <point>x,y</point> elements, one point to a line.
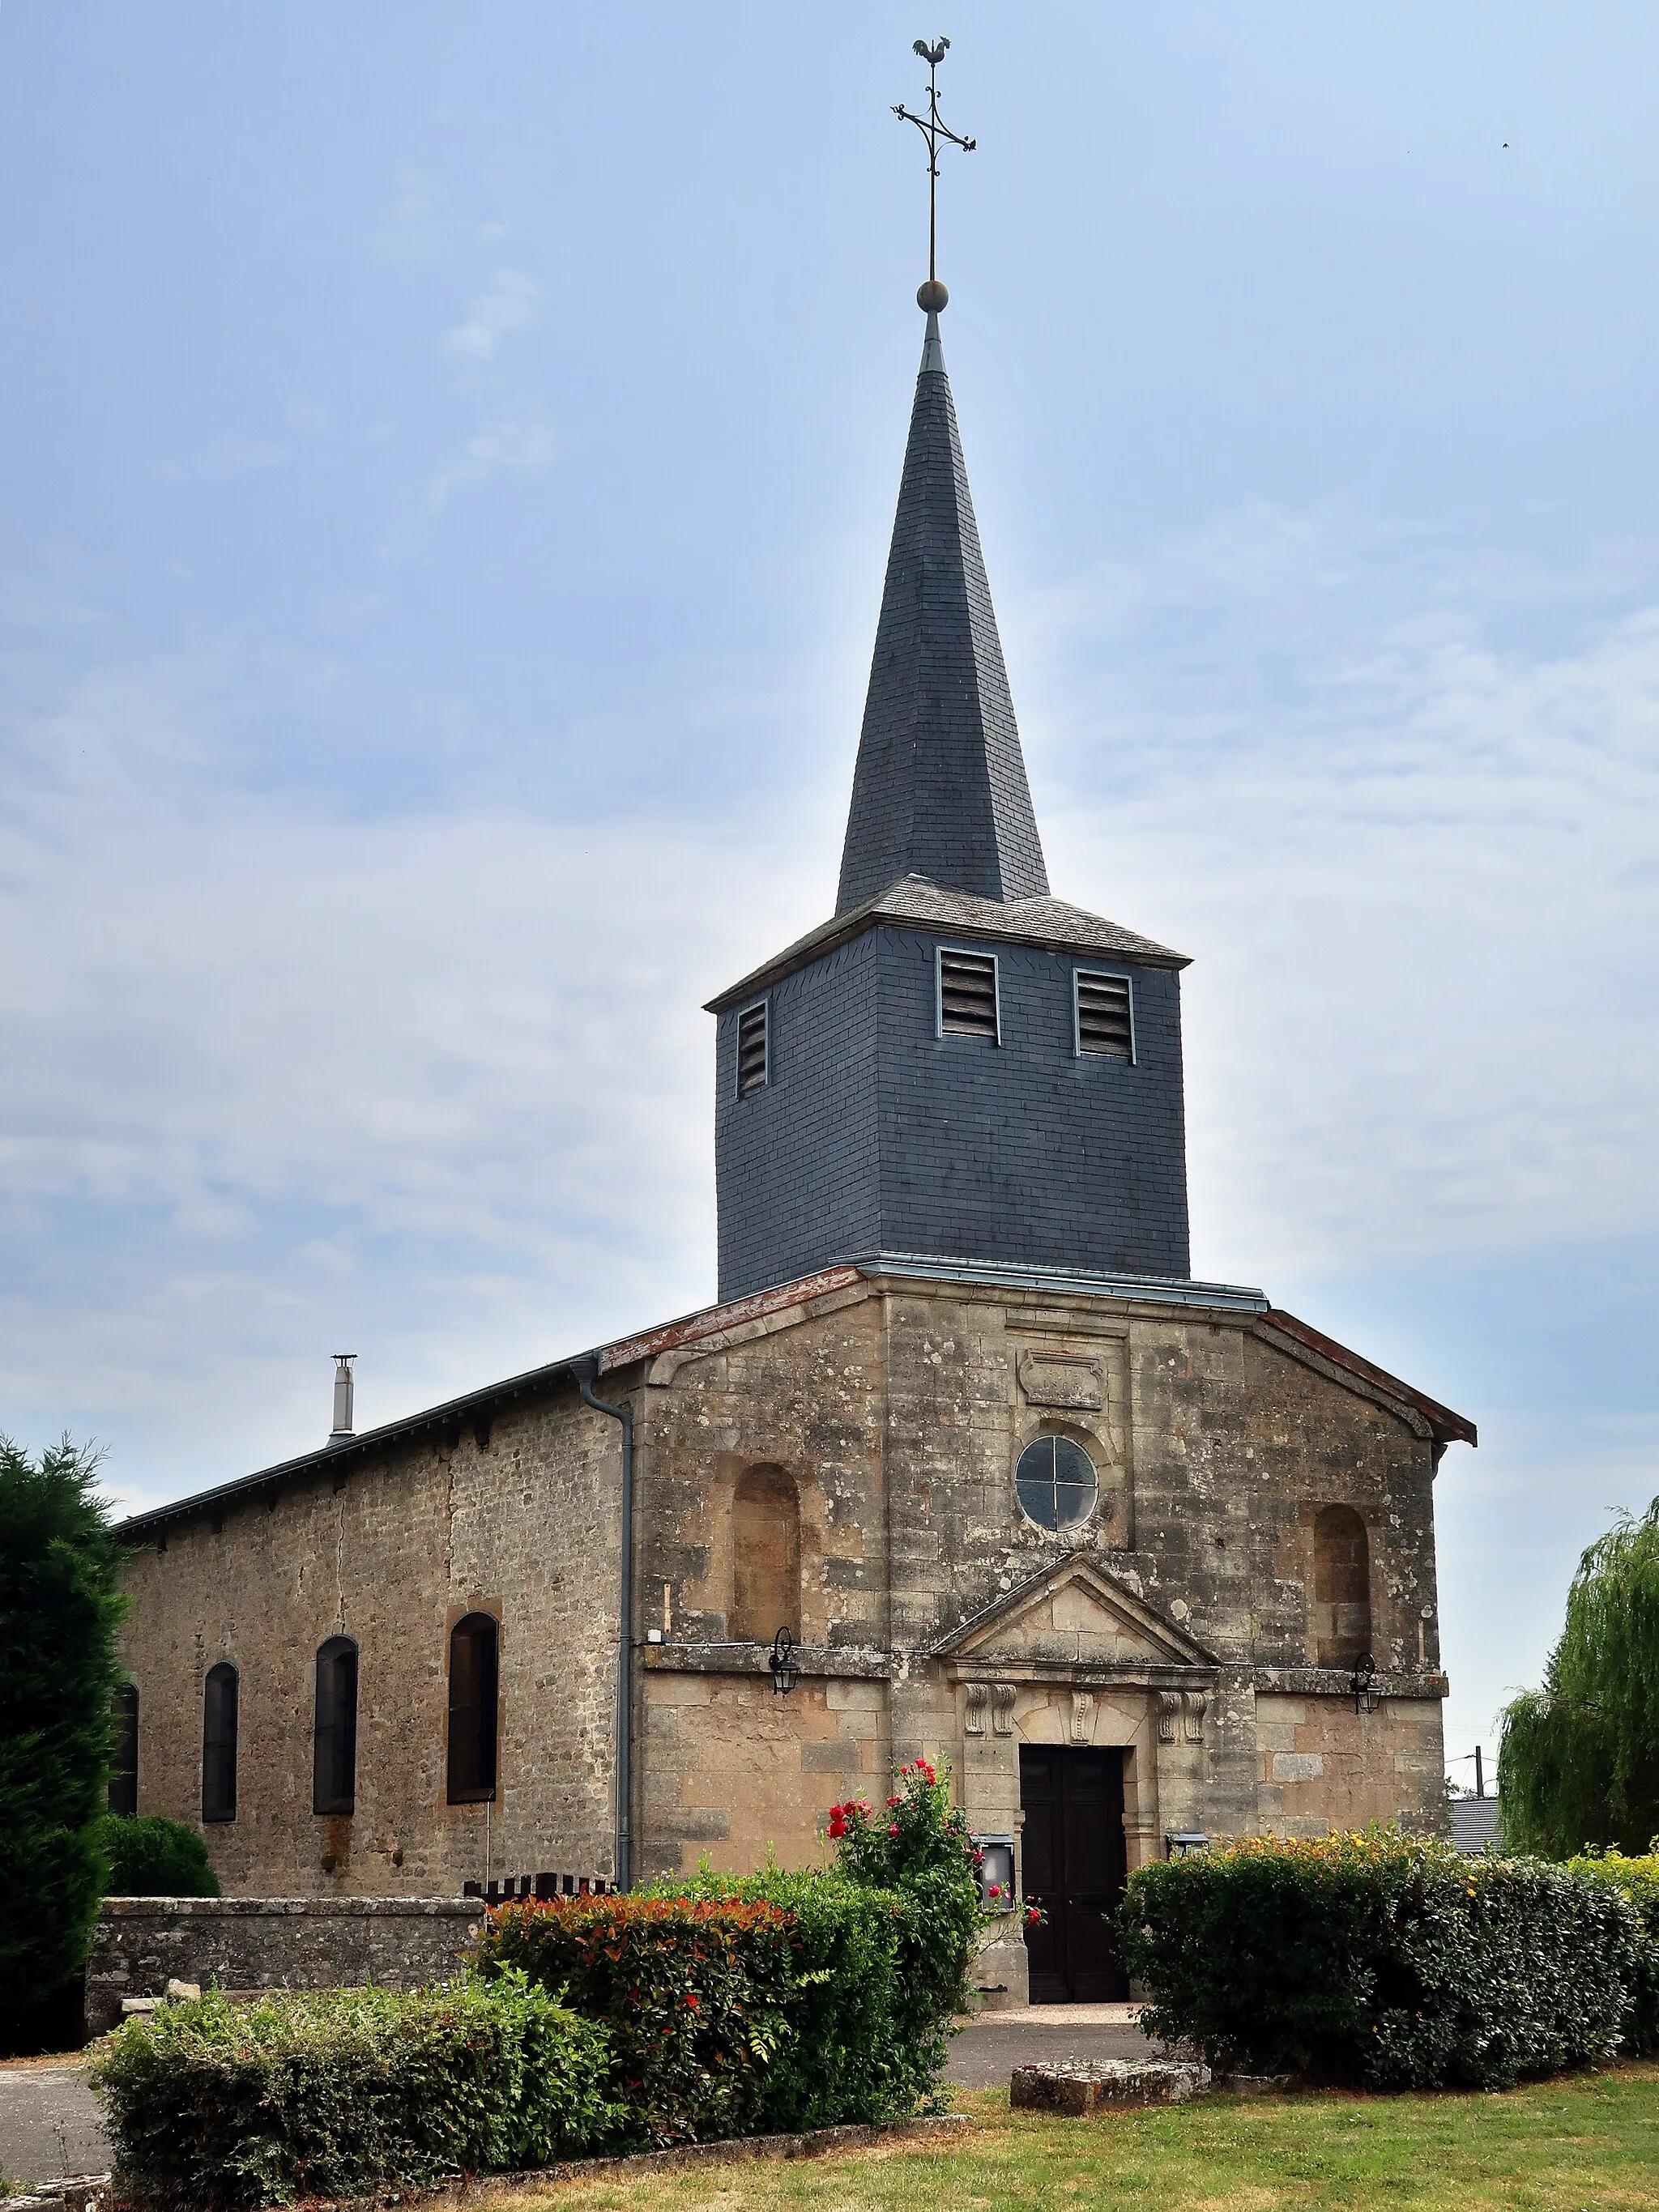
<point>904,1406</point>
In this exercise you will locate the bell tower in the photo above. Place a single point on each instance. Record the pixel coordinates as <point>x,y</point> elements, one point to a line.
<point>957,1066</point>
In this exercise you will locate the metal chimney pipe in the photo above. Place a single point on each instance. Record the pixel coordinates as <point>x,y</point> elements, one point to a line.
<point>343,1396</point>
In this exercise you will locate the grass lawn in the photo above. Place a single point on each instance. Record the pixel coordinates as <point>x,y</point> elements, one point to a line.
<point>1589,2140</point>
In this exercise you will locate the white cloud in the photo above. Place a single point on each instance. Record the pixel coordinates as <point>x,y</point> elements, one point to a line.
<point>510,301</point>
<point>443,1083</point>
<point>516,447</point>
<point>1418,864</point>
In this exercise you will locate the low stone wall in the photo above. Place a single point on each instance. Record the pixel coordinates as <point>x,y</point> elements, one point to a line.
<point>141,1943</point>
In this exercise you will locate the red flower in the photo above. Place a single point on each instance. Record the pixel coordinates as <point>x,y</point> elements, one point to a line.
<point>891,1802</point>
<point>893,1831</point>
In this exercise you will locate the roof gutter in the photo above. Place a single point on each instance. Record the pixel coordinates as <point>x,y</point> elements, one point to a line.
<point>585,1369</point>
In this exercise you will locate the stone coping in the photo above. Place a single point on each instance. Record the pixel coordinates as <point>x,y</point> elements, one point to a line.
<point>94,2193</point>
<point>820,1662</point>
<point>321,1908</point>
<point>1338,1682</point>
<point>816,1660</point>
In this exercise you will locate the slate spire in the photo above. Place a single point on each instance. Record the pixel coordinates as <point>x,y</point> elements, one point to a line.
<point>939,789</point>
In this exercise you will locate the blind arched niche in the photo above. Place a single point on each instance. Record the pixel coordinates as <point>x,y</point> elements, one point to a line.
<point>765,1556</point>
<point>1342,1586</point>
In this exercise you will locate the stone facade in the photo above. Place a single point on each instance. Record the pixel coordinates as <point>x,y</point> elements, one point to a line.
<point>841,1454</point>
<point>514,1514</point>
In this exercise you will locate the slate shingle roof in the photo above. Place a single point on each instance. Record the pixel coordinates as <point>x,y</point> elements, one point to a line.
<point>915,903</point>
<point>939,789</point>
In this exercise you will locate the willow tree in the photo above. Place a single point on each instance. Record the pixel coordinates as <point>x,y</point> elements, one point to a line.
<point>60,1606</point>
<point>1578,1760</point>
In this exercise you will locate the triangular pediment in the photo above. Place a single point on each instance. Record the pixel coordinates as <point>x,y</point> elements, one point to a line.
<point>1075,1614</point>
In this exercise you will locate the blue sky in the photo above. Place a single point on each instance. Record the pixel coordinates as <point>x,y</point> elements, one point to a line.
<point>449,455</point>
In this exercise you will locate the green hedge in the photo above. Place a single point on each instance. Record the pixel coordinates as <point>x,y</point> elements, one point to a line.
<point>1638,1880</point>
<point>862,2037</point>
<point>1383,1960</point>
<point>153,1856</point>
<point>692,1992</point>
<point>221,2107</point>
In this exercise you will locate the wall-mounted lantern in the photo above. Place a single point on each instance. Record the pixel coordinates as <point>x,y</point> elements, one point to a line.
<point>1185,1846</point>
<point>1366,1685</point>
<point>781,1660</point>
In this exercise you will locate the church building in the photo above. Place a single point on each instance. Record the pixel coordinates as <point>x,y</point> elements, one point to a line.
<point>965,1463</point>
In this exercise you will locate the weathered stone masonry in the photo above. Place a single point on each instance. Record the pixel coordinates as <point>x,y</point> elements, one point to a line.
<point>391,1544</point>
<point>141,1943</point>
<point>935,1618</point>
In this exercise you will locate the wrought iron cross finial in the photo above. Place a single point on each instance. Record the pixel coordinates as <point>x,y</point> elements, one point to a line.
<point>932,295</point>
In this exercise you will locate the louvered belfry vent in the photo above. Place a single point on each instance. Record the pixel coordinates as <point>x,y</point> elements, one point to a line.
<point>968,995</point>
<point>1105,1015</point>
<point>752,1068</point>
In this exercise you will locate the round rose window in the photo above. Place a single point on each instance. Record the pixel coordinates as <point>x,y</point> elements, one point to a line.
<point>1056,1482</point>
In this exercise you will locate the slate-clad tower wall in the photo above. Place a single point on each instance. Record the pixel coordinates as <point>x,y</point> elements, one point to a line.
<point>872,1130</point>
<point>874,1133</point>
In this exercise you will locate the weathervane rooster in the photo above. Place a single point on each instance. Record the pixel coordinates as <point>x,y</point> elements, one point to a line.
<point>932,295</point>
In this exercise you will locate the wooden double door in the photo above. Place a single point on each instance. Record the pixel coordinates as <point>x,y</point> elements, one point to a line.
<point>1075,1866</point>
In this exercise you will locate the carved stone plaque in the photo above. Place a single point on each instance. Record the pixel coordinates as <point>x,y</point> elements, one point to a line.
<point>1063,1378</point>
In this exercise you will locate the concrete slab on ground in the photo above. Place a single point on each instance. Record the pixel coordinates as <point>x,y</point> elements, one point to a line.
<point>49,2122</point>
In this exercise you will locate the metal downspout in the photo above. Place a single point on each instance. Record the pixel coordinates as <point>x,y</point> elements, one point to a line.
<point>585,1369</point>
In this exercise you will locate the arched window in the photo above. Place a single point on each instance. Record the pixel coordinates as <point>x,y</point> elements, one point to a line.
<point>219,1743</point>
<point>1342,1587</point>
<point>474,1683</point>
<point>334,1768</point>
<point>123,1752</point>
<point>765,1556</point>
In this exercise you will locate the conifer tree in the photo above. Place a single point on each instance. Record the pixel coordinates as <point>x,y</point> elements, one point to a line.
<point>60,1606</point>
<point>1578,1761</point>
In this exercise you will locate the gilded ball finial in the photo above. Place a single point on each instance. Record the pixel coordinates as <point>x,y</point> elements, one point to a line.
<point>931,296</point>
